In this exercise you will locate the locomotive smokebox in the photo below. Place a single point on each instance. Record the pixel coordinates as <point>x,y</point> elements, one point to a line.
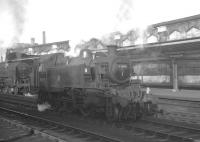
<point>112,49</point>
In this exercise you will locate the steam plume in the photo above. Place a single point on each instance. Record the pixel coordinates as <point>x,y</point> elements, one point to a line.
<point>16,11</point>
<point>125,10</point>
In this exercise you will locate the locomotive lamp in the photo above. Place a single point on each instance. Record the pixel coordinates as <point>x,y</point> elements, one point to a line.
<point>148,90</point>
<point>86,70</point>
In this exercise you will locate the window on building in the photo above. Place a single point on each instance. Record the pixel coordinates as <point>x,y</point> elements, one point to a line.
<point>193,32</point>
<point>175,35</point>
<point>152,39</point>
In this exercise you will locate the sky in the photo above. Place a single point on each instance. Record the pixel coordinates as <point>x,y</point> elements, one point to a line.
<point>77,20</point>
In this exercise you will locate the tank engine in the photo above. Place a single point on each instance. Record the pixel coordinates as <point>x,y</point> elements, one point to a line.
<point>94,83</point>
<point>19,75</point>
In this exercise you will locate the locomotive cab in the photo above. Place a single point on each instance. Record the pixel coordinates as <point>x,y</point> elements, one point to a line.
<point>89,73</point>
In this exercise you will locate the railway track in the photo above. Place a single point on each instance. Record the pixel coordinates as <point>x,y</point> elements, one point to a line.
<point>53,130</point>
<point>148,129</point>
<point>165,131</point>
<point>182,117</point>
<point>15,100</point>
<point>14,132</point>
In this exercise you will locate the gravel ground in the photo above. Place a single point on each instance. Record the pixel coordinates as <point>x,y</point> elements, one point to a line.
<point>92,124</point>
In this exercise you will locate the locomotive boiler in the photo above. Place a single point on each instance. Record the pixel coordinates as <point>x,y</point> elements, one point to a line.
<point>94,83</point>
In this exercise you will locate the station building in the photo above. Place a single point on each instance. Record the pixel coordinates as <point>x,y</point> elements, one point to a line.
<point>183,28</point>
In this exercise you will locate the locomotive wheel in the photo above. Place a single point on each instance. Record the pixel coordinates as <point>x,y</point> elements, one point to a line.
<point>114,113</point>
<point>86,111</point>
<point>129,112</point>
<point>109,109</point>
<point>117,112</point>
<point>133,111</point>
<point>66,107</point>
<point>69,108</point>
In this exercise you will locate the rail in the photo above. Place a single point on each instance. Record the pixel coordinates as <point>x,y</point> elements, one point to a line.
<point>57,129</point>
<point>163,130</point>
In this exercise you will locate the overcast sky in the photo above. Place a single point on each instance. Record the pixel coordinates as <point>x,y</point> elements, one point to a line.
<point>83,19</point>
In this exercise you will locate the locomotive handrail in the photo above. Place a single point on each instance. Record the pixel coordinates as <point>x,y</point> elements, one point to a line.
<point>23,59</point>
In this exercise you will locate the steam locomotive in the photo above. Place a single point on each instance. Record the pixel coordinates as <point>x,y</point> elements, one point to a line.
<point>18,74</point>
<point>95,83</point>
<point>92,83</point>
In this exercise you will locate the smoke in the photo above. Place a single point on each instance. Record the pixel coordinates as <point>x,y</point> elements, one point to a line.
<point>75,47</point>
<point>15,11</point>
<point>125,10</point>
<point>43,107</point>
<point>124,17</point>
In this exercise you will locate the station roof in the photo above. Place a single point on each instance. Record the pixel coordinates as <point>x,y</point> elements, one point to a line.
<point>183,44</point>
<point>190,18</point>
<point>39,48</point>
<point>163,49</point>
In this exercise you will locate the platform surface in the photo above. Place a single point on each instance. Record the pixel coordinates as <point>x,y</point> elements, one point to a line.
<point>193,95</point>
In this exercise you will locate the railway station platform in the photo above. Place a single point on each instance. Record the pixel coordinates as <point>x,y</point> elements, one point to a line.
<point>191,95</point>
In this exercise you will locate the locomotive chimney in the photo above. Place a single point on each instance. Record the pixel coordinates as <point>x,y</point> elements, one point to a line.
<point>32,41</point>
<point>112,49</point>
<point>44,37</point>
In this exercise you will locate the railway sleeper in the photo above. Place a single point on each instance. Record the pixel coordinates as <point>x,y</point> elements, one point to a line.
<point>167,134</point>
